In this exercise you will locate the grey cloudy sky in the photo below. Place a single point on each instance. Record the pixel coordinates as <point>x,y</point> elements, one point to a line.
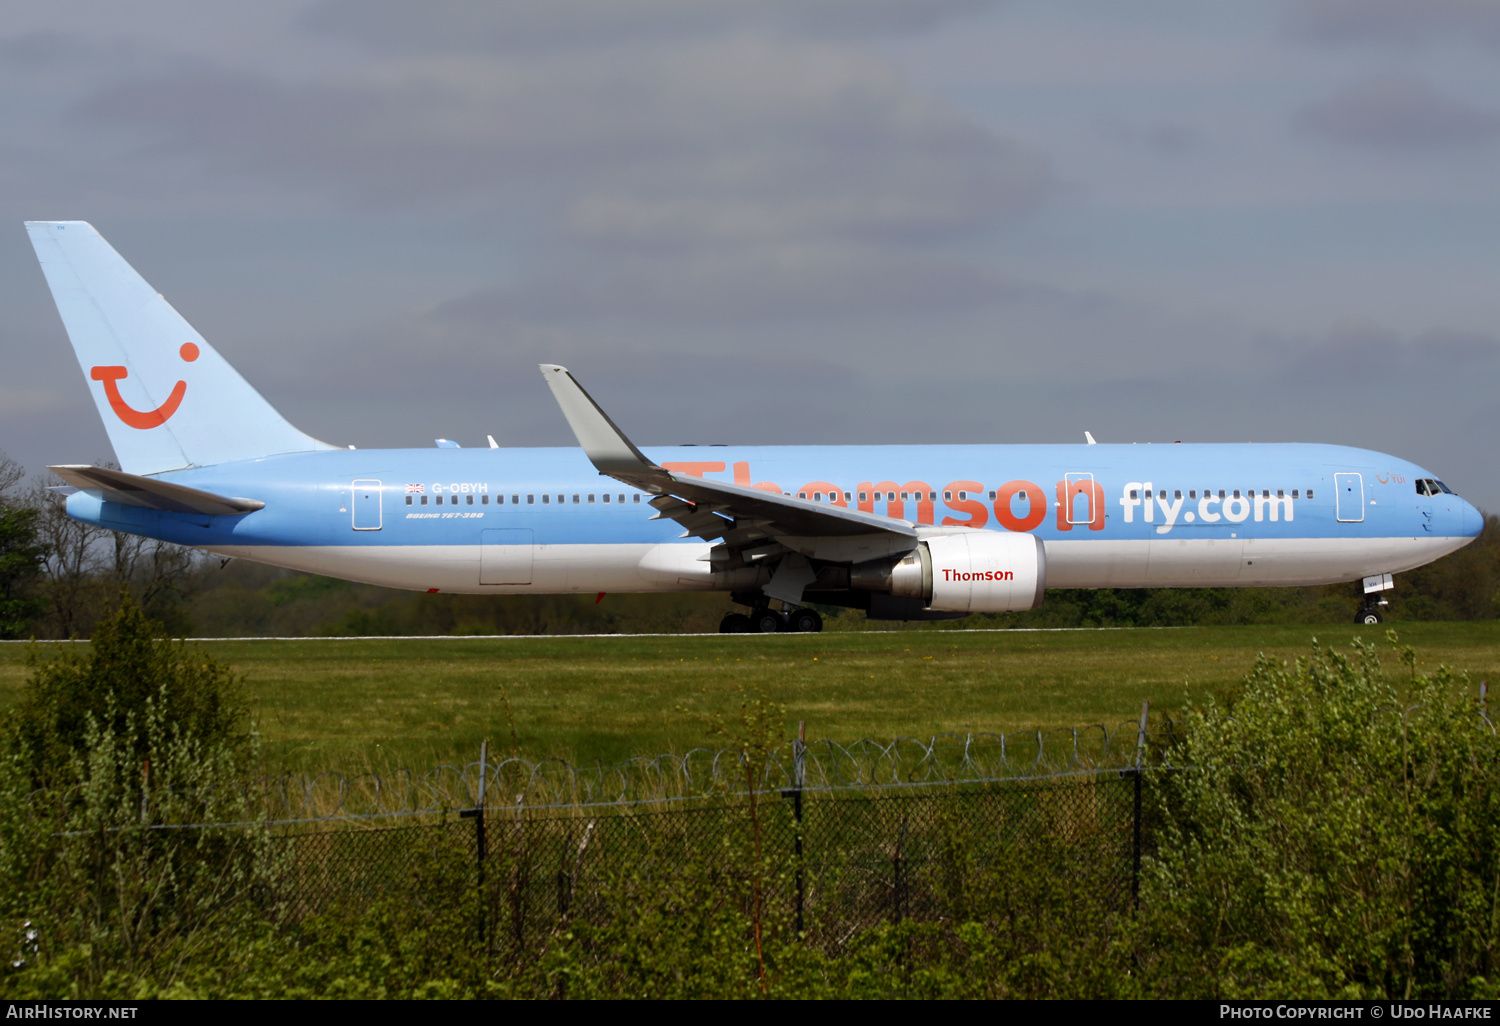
<point>778,221</point>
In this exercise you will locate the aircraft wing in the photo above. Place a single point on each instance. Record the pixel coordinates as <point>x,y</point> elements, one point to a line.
<point>742,519</point>
<point>149,493</point>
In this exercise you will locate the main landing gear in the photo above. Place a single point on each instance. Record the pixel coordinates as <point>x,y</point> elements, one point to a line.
<point>804,620</point>
<point>765,620</point>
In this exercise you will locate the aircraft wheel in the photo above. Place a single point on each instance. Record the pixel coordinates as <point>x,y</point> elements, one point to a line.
<point>1369,616</point>
<point>806,621</point>
<point>767,621</point>
<point>735,623</point>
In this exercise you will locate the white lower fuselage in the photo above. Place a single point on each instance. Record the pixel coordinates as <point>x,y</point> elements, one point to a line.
<point>683,566</point>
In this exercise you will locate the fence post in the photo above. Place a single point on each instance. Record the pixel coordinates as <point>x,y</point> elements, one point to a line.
<point>1140,760</point>
<point>898,868</point>
<point>484,776</point>
<point>480,845</point>
<point>799,779</point>
<point>522,875</point>
<point>564,879</point>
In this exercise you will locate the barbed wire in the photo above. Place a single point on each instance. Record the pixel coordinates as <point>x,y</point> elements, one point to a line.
<point>515,783</point>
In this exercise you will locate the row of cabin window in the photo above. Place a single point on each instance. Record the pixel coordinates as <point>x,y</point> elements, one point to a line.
<point>1265,493</point>
<point>1424,487</point>
<point>962,496</point>
<point>905,496</point>
<point>891,496</point>
<point>515,500</point>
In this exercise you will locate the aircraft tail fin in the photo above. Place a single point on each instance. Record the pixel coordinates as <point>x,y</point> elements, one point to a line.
<point>168,399</point>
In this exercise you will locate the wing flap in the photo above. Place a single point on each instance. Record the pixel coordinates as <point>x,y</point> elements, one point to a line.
<point>784,514</point>
<point>149,493</point>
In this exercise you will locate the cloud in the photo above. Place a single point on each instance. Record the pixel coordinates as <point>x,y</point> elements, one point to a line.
<point>532,26</point>
<point>38,49</point>
<point>769,220</point>
<point>738,175</point>
<point>1372,355</point>
<point>1164,137</point>
<point>1394,21</point>
<point>741,282</point>
<point>1398,112</point>
<point>725,117</point>
<point>1451,349</point>
<point>910,191</point>
<point>662,390</point>
<point>19,406</point>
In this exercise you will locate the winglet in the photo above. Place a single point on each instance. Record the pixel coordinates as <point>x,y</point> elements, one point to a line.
<point>605,444</point>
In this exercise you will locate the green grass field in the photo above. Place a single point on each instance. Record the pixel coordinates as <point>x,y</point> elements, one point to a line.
<point>376,703</point>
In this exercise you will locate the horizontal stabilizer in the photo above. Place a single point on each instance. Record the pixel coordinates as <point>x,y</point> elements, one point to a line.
<point>149,493</point>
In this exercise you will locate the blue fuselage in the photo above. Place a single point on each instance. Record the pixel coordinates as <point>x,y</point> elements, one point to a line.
<point>1106,513</point>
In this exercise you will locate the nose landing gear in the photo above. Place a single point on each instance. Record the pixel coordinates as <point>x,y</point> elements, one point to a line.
<point>1372,611</point>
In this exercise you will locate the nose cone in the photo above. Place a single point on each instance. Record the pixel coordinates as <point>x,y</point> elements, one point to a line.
<point>1472,522</point>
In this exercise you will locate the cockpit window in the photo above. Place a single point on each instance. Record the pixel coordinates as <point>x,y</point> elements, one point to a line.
<point>1444,487</point>
<point>1432,486</point>
<point>1424,486</point>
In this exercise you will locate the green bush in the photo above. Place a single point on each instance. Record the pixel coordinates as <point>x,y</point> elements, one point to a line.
<point>122,873</point>
<point>118,885</point>
<point>1333,832</point>
<point>129,662</point>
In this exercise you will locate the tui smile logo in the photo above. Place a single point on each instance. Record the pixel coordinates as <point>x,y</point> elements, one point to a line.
<point>142,418</point>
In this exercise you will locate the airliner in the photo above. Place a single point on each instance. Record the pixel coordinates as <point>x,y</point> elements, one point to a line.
<point>902,532</point>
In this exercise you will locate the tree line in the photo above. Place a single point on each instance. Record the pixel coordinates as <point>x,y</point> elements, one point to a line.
<point>59,577</point>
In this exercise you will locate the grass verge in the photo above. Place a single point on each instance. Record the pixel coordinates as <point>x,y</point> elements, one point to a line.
<point>377,703</point>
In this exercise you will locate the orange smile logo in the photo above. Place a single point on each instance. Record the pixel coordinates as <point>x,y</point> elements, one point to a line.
<point>142,418</point>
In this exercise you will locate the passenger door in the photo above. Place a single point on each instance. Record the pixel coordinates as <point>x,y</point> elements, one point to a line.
<point>367,513</point>
<point>1349,497</point>
<point>1081,497</point>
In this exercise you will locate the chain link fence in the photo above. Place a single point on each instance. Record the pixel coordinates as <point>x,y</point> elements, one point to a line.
<point>833,840</point>
<point>823,840</point>
<point>833,865</point>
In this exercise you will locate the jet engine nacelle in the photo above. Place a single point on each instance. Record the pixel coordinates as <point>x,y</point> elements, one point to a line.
<point>972,572</point>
